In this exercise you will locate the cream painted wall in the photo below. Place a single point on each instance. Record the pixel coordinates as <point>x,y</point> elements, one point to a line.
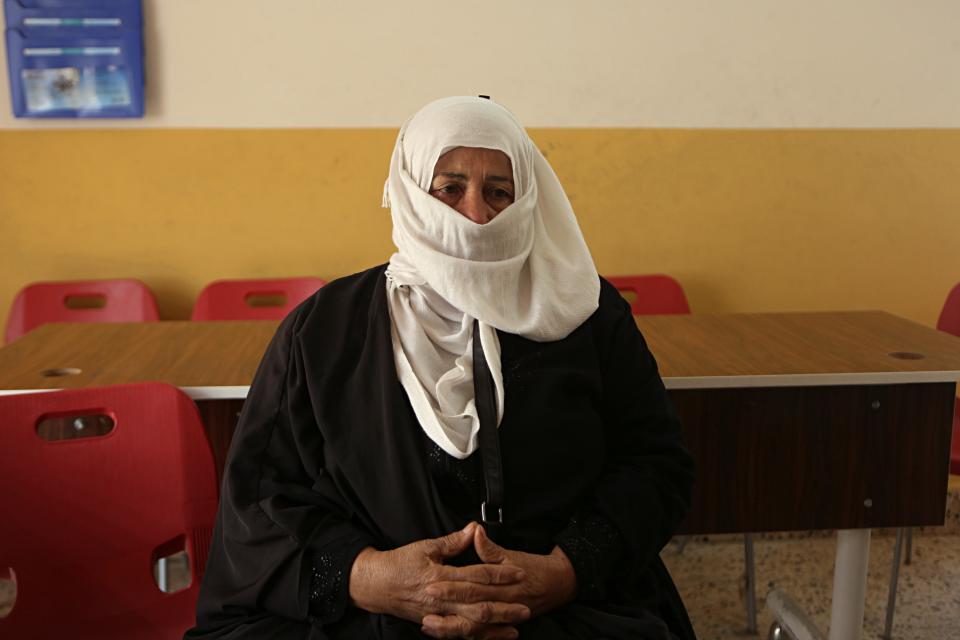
<point>610,63</point>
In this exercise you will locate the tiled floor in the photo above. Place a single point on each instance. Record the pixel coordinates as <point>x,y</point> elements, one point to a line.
<point>710,577</point>
<point>710,574</point>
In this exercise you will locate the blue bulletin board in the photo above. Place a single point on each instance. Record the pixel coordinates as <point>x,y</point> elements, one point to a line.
<point>75,58</point>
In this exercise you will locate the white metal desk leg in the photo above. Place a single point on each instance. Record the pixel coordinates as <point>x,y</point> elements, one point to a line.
<point>849,584</point>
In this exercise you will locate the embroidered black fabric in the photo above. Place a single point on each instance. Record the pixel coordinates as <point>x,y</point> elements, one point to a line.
<point>595,547</point>
<point>329,592</point>
<point>458,481</point>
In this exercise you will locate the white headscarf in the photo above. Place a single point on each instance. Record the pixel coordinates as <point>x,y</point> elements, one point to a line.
<point>527,272</point>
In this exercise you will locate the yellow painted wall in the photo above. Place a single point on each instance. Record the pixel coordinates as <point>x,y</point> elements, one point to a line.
<point>747,220</point>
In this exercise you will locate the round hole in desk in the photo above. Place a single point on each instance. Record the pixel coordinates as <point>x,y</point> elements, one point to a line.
<point>59,373</point>
<point>906,355</point>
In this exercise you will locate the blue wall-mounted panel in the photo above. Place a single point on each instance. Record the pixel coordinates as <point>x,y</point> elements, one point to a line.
<point>75,59</point>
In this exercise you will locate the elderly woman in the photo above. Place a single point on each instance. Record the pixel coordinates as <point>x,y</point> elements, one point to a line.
<point>471,441</point>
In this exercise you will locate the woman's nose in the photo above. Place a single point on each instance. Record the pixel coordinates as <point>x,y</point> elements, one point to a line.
<point>473,206</point>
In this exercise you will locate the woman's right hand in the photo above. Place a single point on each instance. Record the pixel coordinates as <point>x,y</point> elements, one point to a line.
<point>395,582</point>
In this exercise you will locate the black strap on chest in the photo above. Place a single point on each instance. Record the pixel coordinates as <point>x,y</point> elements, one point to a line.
<point>491,509</point>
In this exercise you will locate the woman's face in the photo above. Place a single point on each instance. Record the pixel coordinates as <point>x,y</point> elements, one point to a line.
<point>478,183</point>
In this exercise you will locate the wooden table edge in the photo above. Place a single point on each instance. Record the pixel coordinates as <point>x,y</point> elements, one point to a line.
<point>809,379</point>
<point>240,392</point>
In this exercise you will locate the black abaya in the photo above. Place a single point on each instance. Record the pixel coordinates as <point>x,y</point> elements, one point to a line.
<point>328,458</point>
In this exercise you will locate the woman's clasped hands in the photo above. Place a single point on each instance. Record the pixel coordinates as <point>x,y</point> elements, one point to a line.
<point>483,601</point>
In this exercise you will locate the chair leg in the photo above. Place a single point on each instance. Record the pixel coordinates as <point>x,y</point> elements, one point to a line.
<point>909,553</point>
<point>776,632</point>
<point>751,585</point>
<point>790,621</point>
<point>894,577</point>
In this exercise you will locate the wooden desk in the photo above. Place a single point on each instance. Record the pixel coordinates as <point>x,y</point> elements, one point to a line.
<point>208,360</point>
<point>796,421</point>
<point>812,420</point>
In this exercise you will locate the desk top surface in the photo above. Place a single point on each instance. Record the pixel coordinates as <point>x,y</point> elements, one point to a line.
<point>798,349</point>
<point>218,359</point>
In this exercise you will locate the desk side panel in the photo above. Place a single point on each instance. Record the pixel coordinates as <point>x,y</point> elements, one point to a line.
<point>780,459</point>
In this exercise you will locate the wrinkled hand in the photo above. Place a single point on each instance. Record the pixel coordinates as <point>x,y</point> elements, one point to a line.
<point>402,583</point>
<point>548,581</point>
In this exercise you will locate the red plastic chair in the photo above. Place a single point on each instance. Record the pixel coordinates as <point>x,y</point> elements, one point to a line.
<point>949,321</point>
<point>86,517</point>
<point>253,299</point>
<point>652,294</point>
<point>80,301</point>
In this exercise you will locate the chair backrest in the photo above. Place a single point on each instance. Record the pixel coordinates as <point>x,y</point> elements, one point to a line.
<point>124,300</point>
<point>253,299</point>
<point>88,508</point>
<point>652,294</point>
<point>949,320</point>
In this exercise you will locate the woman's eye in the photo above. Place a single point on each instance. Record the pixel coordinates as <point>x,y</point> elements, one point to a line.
<point>501,194</point>
<point>449,189</point>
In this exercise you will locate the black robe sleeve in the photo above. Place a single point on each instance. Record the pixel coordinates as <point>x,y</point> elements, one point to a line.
<point>278,539</point>
<point>644,491</point>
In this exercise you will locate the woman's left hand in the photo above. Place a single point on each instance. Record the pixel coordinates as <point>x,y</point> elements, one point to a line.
<point>549,582</point>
